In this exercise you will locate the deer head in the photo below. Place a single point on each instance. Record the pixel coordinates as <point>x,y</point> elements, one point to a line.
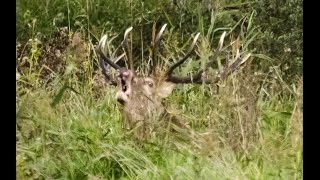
<point>141,95</point>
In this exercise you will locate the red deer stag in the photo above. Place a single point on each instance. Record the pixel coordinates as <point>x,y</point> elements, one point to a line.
<point>141,96</point>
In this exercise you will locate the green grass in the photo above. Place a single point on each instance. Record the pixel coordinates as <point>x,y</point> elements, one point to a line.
<point>81,137</point>
<point>70,128</point>
<point>69,125</point>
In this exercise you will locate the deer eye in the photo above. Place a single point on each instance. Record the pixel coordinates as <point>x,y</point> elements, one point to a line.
<point>149,83</point>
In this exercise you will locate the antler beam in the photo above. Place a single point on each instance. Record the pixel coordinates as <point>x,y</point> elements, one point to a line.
<point>198,77</point>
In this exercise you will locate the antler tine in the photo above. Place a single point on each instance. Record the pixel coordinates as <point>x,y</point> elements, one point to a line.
<point>174,66</point>
<point>236,63</point>
<point>127,48</point>
<point>157,40</point>
<point>154,47</point>
<point>103,56</point>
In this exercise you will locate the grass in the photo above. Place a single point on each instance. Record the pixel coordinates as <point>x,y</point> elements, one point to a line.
<point>87,140</point>
<point>81,138</point>
<point>81,135</point>
<point>69,124</point>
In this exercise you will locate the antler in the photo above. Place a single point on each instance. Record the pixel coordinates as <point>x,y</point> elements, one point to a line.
<point>105,66</point>
<point>155,44</point>
<point>127,48</point>
<point>198,78</point>
<point>174,66</point>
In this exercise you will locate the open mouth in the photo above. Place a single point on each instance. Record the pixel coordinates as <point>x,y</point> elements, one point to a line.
<point>122,96</point>
<point>123,85</point>
<point>124,80</point>
<point>121,101</point>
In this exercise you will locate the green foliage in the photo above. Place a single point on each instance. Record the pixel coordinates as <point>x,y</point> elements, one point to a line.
<point>69,124</point>
<point>277,25</point>
<point>83,138</point>
<point>280,23</point>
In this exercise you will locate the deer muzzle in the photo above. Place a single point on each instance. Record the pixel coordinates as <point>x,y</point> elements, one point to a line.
<point>124,78</point>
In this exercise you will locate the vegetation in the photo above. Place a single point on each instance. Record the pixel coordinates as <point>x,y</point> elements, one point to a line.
<point>69,124</point>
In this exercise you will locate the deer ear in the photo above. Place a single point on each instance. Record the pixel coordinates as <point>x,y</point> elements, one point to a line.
<point>165,89</point>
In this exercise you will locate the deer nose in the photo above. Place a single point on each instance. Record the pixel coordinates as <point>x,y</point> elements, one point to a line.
<point>123,72</point>
<point>126,73</point>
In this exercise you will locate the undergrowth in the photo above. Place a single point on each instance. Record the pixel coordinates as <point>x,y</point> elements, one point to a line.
<point>82,138</point>
<point>69,126</point>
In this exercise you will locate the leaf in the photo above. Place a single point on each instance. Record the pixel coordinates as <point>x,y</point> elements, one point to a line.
<point>57,98</point>
<point>250,20</point>
<point>262,56</point>
<point>250,40</point>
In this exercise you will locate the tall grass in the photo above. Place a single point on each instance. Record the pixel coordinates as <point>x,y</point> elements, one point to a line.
<point>69,125</point>
<point>82,137</point>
